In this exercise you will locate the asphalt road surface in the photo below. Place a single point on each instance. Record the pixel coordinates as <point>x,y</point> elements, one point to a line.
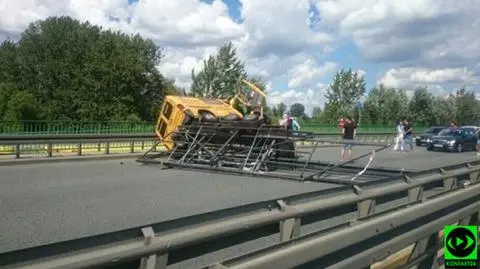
<point>46,203</point>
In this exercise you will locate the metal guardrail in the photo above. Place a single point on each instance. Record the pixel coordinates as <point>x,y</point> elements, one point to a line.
<point>426,201</point>
<point>48,145</point>
<point>129,127</point>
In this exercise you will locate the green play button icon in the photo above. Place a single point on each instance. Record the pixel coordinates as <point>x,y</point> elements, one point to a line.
<point>461,242</point>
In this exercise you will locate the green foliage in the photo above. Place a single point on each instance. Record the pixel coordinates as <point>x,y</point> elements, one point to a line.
<point>17,104</point>
<point>297,110</point>
<point>384,105</point>
<point>279,110</point>
<point>63,69</point>
<point>317,113</point>
<point>466,107</point>
<point>220,76</point>
<point>421,107</point>
<point>341,96</point>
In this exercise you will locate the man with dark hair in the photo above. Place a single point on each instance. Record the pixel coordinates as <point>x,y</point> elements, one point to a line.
<point>348,134</point>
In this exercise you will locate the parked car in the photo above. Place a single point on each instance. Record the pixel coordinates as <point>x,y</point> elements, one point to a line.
<point>455,139</point>
<point>427,134</point>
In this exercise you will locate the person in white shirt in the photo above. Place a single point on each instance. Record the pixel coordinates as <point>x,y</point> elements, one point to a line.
<point>283,121</point>
<point>289,123</point>
<point>399,138</point>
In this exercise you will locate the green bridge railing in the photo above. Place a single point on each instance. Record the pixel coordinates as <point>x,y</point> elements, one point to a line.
<point>69,127</point>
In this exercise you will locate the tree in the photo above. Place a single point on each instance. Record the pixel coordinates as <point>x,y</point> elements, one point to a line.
<point>384,105</point>
<point>220,76</point>
<point>9,62</point>
<point>316,112</point>
<point>466,107</point>
<point>444,110</point>
<point>279,110</point>
<point>297,110</point>
<point>16,104</point>
<point>421,107</point>
<point>342,94</point>
<point>77,71</point>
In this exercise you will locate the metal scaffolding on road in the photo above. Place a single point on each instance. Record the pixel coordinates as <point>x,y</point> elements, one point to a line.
<point>267,151</point>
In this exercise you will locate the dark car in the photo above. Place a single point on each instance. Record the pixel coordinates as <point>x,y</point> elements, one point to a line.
<point>427,134</point>
<point>455,139</point>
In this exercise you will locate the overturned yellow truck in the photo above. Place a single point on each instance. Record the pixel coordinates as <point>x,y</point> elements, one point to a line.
<point>178,111</point>
<point>200,131</point>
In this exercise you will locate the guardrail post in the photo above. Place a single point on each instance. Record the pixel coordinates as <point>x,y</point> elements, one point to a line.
<point>422,248</point>
<point>289,228</point>
<point>79,152</point>
<point>470,220</point>
<point>152,261</point>
<point>473,175</point>
<point>17,151</point>
<point>364,207</point>
<point>49,150</point>
<point>449,182</point>
<point>132,147</point>
<point>415,193</point>
<point>107,148</point>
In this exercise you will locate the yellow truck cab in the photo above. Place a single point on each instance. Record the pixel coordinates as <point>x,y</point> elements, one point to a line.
<point>177,110</point>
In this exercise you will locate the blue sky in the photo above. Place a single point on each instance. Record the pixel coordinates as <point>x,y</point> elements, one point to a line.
<point>295,45</point>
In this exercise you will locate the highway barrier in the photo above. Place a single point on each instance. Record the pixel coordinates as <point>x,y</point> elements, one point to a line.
<point>135,127</point>
<point>89,144</point>
<point>374,220</point>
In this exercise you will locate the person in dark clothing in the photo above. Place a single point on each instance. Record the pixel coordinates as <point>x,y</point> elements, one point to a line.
<point>258,111</point>
<point>408,137</point>
<point>348,133</point>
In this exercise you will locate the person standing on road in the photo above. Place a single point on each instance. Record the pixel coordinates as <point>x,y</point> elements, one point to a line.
<point>399,138</point>
<point>408,136</point>
<point>289,123</point>
<point>348,134</point>
<point>295,124</point>
<point>341,123</point>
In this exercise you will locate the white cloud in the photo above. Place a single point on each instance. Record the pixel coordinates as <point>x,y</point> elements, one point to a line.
<point>279,28</point>
<point>434,32</point>
<point>403,77</point>
<point>272,38</point>
<point>309,71</point>
<point>430,42</point>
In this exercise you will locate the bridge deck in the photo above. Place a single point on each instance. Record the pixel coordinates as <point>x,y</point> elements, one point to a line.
<point>46,203</point>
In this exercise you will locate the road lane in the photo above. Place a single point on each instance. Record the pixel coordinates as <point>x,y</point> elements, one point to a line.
<point>419,159</point>
<point>59,201</point>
